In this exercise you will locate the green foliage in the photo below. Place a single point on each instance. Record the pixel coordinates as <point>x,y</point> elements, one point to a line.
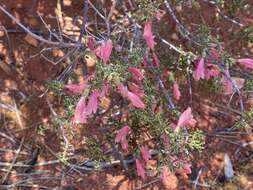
<point>136,56</point>
<point>196,140</point>
<point>204,34</point>
<point>213,84</point>
<point>145,9</point>
<point>41,130</point>
<point>64,154</point>
<point>243,35</point>
<point>245,121</point>
<point>69,102</point>
<point>93,149</point>
<point>146,118</point>
<point>242,124</point>
<point>55,86</point>
<point>113,73</point>
<point>249,85</point>
<point>227,60</point>
<point>58,121</point>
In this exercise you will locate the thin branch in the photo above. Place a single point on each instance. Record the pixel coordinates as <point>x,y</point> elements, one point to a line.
<point>183,30</point>
<point>35,35</point>
<point>223,15</point>
<point>13,161</point>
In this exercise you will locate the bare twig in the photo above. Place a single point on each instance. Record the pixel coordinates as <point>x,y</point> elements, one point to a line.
<point>149,183</point>
<point>13,161</point>
<point>183,30</point>
<point>62,44</point>
<point>223,15</point>
<point>7,137</point>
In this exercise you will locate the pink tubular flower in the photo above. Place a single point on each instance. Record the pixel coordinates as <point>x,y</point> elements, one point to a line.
<point>148,35</point>
<point>105,90</point>
<point>186,118</point>
<point>136,90</point>
<point>92,105</point>
<point>200,71</point>
<point>91,43</point>
<point>215,54</point>
<point>104,50</point>
<point>123,90</point>
<point>165,173</point>
<point>156,61</point>
<point>140,168</point>
<point>121,137</point>
<point>211,70</point>
<point>184,169</point>
<point>145,153</point>
<point>176,92</point>
<point>136,73</point>
<point>80,115</point>
<point>246,62</point>
<point>75,88</point>
<point>135,99</point>
<point>187,168</point>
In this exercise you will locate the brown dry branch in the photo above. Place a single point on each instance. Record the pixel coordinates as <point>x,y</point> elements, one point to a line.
<point>60,44</point>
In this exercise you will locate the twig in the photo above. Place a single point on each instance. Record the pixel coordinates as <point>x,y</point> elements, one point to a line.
<point>174,47</point>
<point>223,15</point>
<point>62,44</point>
<point>226,75</point>
<point>161,84</point>
<point>58,11</point>
<point>62,58</point>
<point>102,16</point>
<point>11,55</point>
<point>13,161</point>
<point>85,14</point>
<point>200,184</point>
<point>243,145</point>
<point>7,106</point>
<point>183,30</point>
<point>149,183</point>
<point>7,137</point>
<point>17,112</point>
<point>47,27</point>
<point>13,151</point>
<point>20,183</point>
<point>196,181</point>
<point>224,107</point>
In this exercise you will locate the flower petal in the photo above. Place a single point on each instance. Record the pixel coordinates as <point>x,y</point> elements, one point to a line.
<point>176,92</point>
<point>136,73</point>
<point>92,105</point>
<point>145,153</point>
<point>121,137</point>
<point>148,35</point>
<point>91,43</point>
<point>140,168</point>
<point>75,88</point>
<point>199,73</point>
<point>135,100</point>
<point>104,50</point>
<point>246,62</point>
<point>136,90</point>
<point>80,115</point>
<point>186,118</point>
